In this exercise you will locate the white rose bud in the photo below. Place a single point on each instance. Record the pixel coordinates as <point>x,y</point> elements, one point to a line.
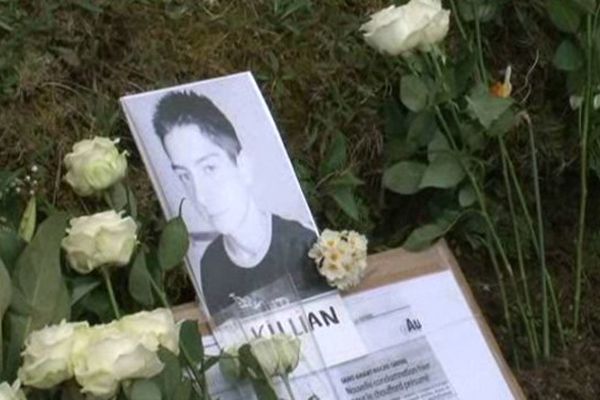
<point>288,349</point>
<point>47,355</point>
<point>399,30</point>
<point>155,328</point>
<point>94,165</point>
<point>278,355</point>
<point>100,239</point>
<point>229,363</point>
<point>108,356</point>
<point>14,392</point>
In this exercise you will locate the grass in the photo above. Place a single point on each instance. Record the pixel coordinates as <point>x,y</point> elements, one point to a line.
<point>64,64</point>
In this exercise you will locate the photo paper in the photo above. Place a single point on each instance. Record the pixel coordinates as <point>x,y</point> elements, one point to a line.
<point>213,151</point>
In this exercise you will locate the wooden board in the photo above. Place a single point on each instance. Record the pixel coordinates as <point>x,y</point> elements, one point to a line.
<point>400,265</point>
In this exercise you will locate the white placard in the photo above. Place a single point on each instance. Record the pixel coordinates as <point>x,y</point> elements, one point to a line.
<point>423,343</point>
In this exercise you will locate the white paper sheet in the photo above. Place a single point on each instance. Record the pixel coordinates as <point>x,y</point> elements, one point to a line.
<point>423,343</point>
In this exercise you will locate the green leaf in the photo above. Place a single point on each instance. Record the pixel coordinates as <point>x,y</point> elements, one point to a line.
<point>97,302</point>
<point>413,93</point>
<point>139,284</point>
<point>422,128</point>
<point>423,237</point>
<point>437,147</point>
<point>145,390</point>
<point>564,14</point>
<point>191,341</point>
<point>345,198</point>
<point>404,177</point>
<point>568,57</point>
<point>40,296</point>
<point>345,179</point>
<point>263,387</point>
<point>336,156</point>
<point>486,107</point>
<point>183,390</point>
<point>122,198</point>
<point>171,376</point>
<point>82,286</point>
<point>503,124</point>
<point>11,246</point>
<point>118,196</point>
<point>37,279</point>
<point>173,244</point>
<point>17,326</point>
<point>394,119</point>
<point>467,196</point>
<point>5,294</point>
<point>5,291</point>
<point>28,220</point>
<point>444,172</point>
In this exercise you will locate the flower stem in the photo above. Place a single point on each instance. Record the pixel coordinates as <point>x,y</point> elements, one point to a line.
<point>527,214</point>
<point>161,295</point>
<point>517,235</point>
<point>540,239</point>
<point>200,380</point>
<point>288,387</point>
<point>494,234</point>
<point>482,71</point>
<point>585,129</point>
<point>504,297</point>
<point>111,293</point>
<point>461,28</point>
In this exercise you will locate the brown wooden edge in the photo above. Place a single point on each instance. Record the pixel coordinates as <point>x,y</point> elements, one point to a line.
<point>447,255</point>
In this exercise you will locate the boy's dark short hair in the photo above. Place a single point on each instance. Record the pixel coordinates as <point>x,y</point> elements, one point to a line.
<point>188,108</point>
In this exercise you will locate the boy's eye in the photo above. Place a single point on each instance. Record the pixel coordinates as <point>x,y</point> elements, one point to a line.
<point>184,176</point>
<point>209,169</point>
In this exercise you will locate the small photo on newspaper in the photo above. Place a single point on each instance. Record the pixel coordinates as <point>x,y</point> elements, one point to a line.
<point>213,151</point>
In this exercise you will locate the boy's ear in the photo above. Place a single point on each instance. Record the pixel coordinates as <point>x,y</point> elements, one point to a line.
<point>245,166</point>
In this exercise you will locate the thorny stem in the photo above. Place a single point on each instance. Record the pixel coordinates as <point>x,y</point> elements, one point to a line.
<point>585,129</point>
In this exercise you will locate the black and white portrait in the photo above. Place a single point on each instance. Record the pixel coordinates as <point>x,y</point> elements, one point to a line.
<point>214,145</point>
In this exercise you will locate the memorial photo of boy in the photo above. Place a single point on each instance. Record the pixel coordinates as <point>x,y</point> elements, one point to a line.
<point>253,247</point>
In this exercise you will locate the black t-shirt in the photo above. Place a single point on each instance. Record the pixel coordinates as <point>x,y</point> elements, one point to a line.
<point>222,280</point>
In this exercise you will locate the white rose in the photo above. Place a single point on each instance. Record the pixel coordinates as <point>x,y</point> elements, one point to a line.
<point>94,165</point>
<point>416,25</point>
<point>100,239</point>
<point>47,355</point>
<point>108,356</point>
<point>277,355</point>
<point>155,328</point>
<point>14,392</point>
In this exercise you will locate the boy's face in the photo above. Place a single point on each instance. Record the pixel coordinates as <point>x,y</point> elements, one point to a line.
<point>210,177</point>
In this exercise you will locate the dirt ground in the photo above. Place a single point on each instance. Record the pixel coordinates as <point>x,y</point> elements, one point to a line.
<point>64,64</point>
